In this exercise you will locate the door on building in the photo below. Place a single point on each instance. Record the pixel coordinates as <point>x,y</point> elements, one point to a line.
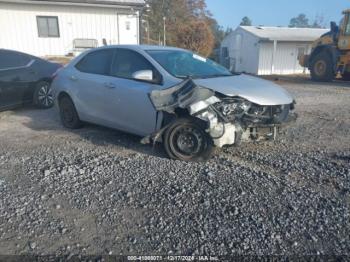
<point>128,29</point>
<point>300,50</point>
<point>286,58</point>
<point>237,54</point>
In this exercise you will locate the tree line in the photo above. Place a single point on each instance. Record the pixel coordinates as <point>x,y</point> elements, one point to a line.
<point>189,24</point>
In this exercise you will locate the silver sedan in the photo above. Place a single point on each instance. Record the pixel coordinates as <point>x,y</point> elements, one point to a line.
<point>169,95</point>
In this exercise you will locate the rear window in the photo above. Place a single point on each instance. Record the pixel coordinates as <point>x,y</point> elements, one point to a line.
<point>9,59</point>
<point>97,62</point>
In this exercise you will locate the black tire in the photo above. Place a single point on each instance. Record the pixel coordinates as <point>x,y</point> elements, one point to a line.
<point>43,96</point>
<point>322,68</point>
<point>187,140</point>
<point>68,113</point>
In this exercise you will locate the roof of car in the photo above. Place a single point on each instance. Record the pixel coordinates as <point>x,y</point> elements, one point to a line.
<point>144,47</point>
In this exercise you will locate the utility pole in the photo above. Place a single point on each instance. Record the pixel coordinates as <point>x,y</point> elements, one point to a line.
<point>147,10</point>
<point>164,37</point>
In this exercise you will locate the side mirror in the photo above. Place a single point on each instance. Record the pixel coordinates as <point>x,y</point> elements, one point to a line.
<point>146,75</point>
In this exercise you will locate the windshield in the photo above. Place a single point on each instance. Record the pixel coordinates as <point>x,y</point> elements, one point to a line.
<point>183,64</point>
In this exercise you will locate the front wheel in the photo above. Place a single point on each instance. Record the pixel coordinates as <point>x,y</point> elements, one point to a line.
<point>322,68</point>
<point>187,140</point>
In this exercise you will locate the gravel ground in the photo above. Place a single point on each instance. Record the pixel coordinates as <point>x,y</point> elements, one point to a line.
<point>99,191</point>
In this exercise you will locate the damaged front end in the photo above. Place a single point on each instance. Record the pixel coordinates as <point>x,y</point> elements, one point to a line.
<point>229,120</point>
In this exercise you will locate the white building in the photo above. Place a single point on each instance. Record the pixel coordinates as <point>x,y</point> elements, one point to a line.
<point>61,27</point>
<point>267,50</point>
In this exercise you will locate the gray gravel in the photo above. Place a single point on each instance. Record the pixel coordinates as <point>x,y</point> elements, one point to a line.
<point>98,191</point>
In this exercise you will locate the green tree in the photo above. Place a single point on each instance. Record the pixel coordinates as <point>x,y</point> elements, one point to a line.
<point>300,21</point>
<point>246,21</point>
<point>319,22</point>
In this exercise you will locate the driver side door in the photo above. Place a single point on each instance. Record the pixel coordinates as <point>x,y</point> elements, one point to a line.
<point>131,106</point>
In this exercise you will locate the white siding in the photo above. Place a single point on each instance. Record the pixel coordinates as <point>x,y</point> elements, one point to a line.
<point>284,61</point>
<point>18,27</point>
<point>256,55</point>
<point>243,51</point>
<point>265,58</point>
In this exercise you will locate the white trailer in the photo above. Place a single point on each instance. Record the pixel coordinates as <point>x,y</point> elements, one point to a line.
<point>61,27</point>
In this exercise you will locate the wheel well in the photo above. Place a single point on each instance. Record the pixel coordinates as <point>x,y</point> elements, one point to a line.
<point>168,118</point>
<point>63,94</point>
<point>46,79</point>
<point>319,50</point>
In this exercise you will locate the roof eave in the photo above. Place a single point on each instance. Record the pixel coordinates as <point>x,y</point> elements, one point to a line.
<point>285,40</point>
<point>103,4</point>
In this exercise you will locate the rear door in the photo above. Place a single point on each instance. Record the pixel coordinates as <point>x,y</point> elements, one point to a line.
<point>89,80</point>
<point>14,80</point>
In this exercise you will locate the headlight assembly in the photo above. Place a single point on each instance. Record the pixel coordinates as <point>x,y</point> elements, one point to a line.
<point>232,108</point>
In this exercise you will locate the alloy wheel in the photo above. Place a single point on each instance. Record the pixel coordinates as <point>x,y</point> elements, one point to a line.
<point>45,97</point>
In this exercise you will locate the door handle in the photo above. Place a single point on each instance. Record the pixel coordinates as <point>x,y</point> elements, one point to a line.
<point>109,85</point>
<point>73,78</point>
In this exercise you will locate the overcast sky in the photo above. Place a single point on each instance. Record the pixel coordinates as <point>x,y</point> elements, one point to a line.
<point>274,12</point>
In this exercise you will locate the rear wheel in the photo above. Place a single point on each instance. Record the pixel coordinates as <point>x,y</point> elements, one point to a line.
<point>187,140</point>
<point>68,113</point>
<point>43,95</point>
<point>322,68</point>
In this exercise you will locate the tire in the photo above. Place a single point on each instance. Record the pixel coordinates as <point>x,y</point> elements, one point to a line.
<point>187,140</point>
<point>322,68</point>
<point>43,96</point>
<point>68,113</point>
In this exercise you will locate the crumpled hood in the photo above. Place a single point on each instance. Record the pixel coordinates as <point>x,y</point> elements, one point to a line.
<point>254,89</point>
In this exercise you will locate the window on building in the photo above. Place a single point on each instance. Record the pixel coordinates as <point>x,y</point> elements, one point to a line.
<point>224,52</point>
<point>48,26</point>
<point>97,62</point>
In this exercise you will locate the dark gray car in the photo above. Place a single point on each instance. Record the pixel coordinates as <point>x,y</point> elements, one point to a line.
<point>170,95</point>
<point>25,79</point>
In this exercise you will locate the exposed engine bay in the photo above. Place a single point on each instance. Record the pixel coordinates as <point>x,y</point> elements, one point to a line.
<point>230,120</point>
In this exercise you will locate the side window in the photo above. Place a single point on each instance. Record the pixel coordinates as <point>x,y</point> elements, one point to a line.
<point>9,59</point>
<point>128,62</point>
<point>97,62</point>
<point>347,27</point>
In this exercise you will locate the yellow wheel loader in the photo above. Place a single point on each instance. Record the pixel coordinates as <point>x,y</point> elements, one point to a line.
<point>330,53</point>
